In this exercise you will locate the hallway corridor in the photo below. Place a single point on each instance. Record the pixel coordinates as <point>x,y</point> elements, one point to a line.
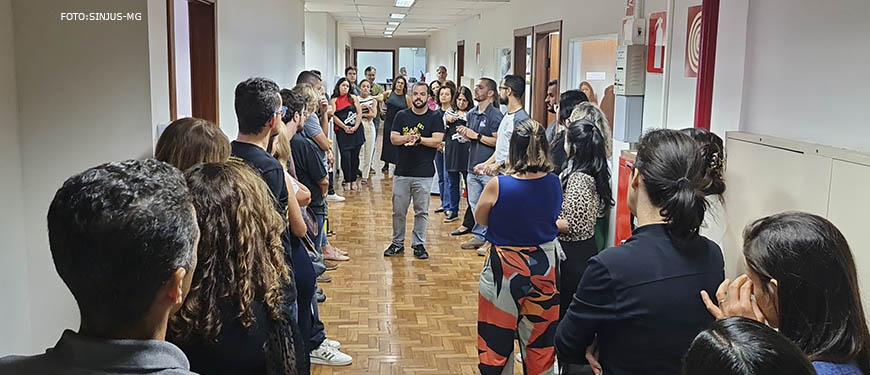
<point>399,315</point>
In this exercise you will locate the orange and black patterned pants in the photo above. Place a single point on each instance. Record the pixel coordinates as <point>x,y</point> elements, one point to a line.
<point>518,297</point>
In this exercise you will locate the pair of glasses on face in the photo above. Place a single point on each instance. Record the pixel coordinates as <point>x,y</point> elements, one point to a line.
<point>281,111</point>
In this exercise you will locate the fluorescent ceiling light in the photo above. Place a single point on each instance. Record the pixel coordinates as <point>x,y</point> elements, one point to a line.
<point>388,33</point>
<point>393,23</point>
<point>391,28</point>
<point>388,36</point>
<point>397,15</point>
<point>404,3</point>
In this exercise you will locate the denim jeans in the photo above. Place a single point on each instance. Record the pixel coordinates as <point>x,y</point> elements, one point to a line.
<point>476,183</point>
<point>442,179</point>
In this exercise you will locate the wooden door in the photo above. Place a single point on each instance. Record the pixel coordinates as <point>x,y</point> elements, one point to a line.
<point>460,61</point>
<point>203,60</point>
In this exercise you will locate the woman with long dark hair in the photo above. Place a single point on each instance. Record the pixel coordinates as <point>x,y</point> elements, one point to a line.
<point>713,149</point>
<point>801,279</point>
<point>434,89</point>
<point>234,321</point>
<point>518,293</point>
<point>456,151</point>
<point>394,100</point>
<point>347,120</point>
<point>640,299</point>
<point>740,346</point>
<point>587,196</point>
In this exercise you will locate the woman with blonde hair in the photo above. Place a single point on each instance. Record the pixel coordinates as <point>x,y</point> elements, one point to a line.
<point>189,141</point>
<point>518,293</point>
<point>234,319</point>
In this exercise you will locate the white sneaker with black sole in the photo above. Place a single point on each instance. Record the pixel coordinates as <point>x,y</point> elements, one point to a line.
<point>329,356</point>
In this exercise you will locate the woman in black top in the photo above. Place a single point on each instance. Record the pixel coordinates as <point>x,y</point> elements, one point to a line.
<point>640,300</point>
<point>395,100</point>
<point>347,119</point>
<point>456,150</point>
<point>233,320</point>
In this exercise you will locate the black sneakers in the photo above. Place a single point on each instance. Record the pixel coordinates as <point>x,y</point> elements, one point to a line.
<point>420,252</point>
<point>451,217</point>
<point>393,250</point>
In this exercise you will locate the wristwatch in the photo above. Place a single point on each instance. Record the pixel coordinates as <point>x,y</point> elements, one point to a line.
<point>479,137</point>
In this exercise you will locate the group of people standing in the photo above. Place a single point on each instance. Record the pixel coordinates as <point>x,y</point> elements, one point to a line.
<point>217,246</point>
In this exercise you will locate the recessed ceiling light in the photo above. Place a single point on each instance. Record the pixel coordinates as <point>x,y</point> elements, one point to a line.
<point>393,23</point>
<point>404,3</point>
<point>397,15</point>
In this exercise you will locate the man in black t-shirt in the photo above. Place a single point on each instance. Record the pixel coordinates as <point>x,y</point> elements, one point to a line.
<point>417,132</point>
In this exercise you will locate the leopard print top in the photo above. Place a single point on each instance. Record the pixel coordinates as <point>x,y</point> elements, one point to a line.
<point>581,207</point>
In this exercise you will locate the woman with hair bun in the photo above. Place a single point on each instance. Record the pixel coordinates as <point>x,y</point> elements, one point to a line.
<point>713,150</point>
<point>640,300</point>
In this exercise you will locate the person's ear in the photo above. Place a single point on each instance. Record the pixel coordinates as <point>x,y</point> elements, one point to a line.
<point>174,290</point>
<point>635,179</point>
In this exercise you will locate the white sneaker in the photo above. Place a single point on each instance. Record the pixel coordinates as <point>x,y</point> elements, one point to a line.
<point>329,356</point>
<point>519,357</point>
<point>334,198</point>
<point>332,343</point>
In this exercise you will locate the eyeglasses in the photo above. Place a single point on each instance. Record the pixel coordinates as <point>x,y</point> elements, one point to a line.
<point>281,111</point>
<point>502,88</point>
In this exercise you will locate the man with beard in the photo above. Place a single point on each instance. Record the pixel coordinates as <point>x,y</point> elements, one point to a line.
<point>417,132</point>
<point>510,93</point>
<point>481,129</point>
<point>552,101</point>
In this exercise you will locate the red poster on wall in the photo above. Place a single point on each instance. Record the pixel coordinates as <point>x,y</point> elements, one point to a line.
<point>693,41</point>
<point>655,57</point>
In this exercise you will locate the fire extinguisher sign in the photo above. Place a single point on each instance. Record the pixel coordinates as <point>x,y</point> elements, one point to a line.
<point>655,60</point>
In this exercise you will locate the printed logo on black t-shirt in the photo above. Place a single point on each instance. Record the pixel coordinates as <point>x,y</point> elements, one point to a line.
<point>415,130</point>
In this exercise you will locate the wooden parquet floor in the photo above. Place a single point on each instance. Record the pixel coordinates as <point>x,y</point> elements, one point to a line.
<point>399,315</point>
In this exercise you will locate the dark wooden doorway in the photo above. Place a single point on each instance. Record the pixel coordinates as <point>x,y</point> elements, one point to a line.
<point>460,61</point>
<point>202,34</point>
<point>347,59</point>
<point>548,55</point>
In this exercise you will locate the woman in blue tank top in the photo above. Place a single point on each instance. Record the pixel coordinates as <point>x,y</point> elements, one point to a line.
<point>518,293</point>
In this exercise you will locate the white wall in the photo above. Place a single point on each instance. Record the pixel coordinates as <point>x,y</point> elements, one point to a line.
<point>494,29</point>
<point>315,41</point>
<point>256,41</point>
<point>77,94</point>
<point>15,325</point>
<point>80,104</point>
<point>806,71</point>
<point>325,40</point>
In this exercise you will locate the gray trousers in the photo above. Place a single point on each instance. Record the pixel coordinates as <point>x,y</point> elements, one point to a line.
<point>404,190</point>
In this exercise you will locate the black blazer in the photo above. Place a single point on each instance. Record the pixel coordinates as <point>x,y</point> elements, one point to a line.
<point>642,300</point>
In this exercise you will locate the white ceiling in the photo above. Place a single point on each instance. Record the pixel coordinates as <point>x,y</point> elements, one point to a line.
<point>369,17</point>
